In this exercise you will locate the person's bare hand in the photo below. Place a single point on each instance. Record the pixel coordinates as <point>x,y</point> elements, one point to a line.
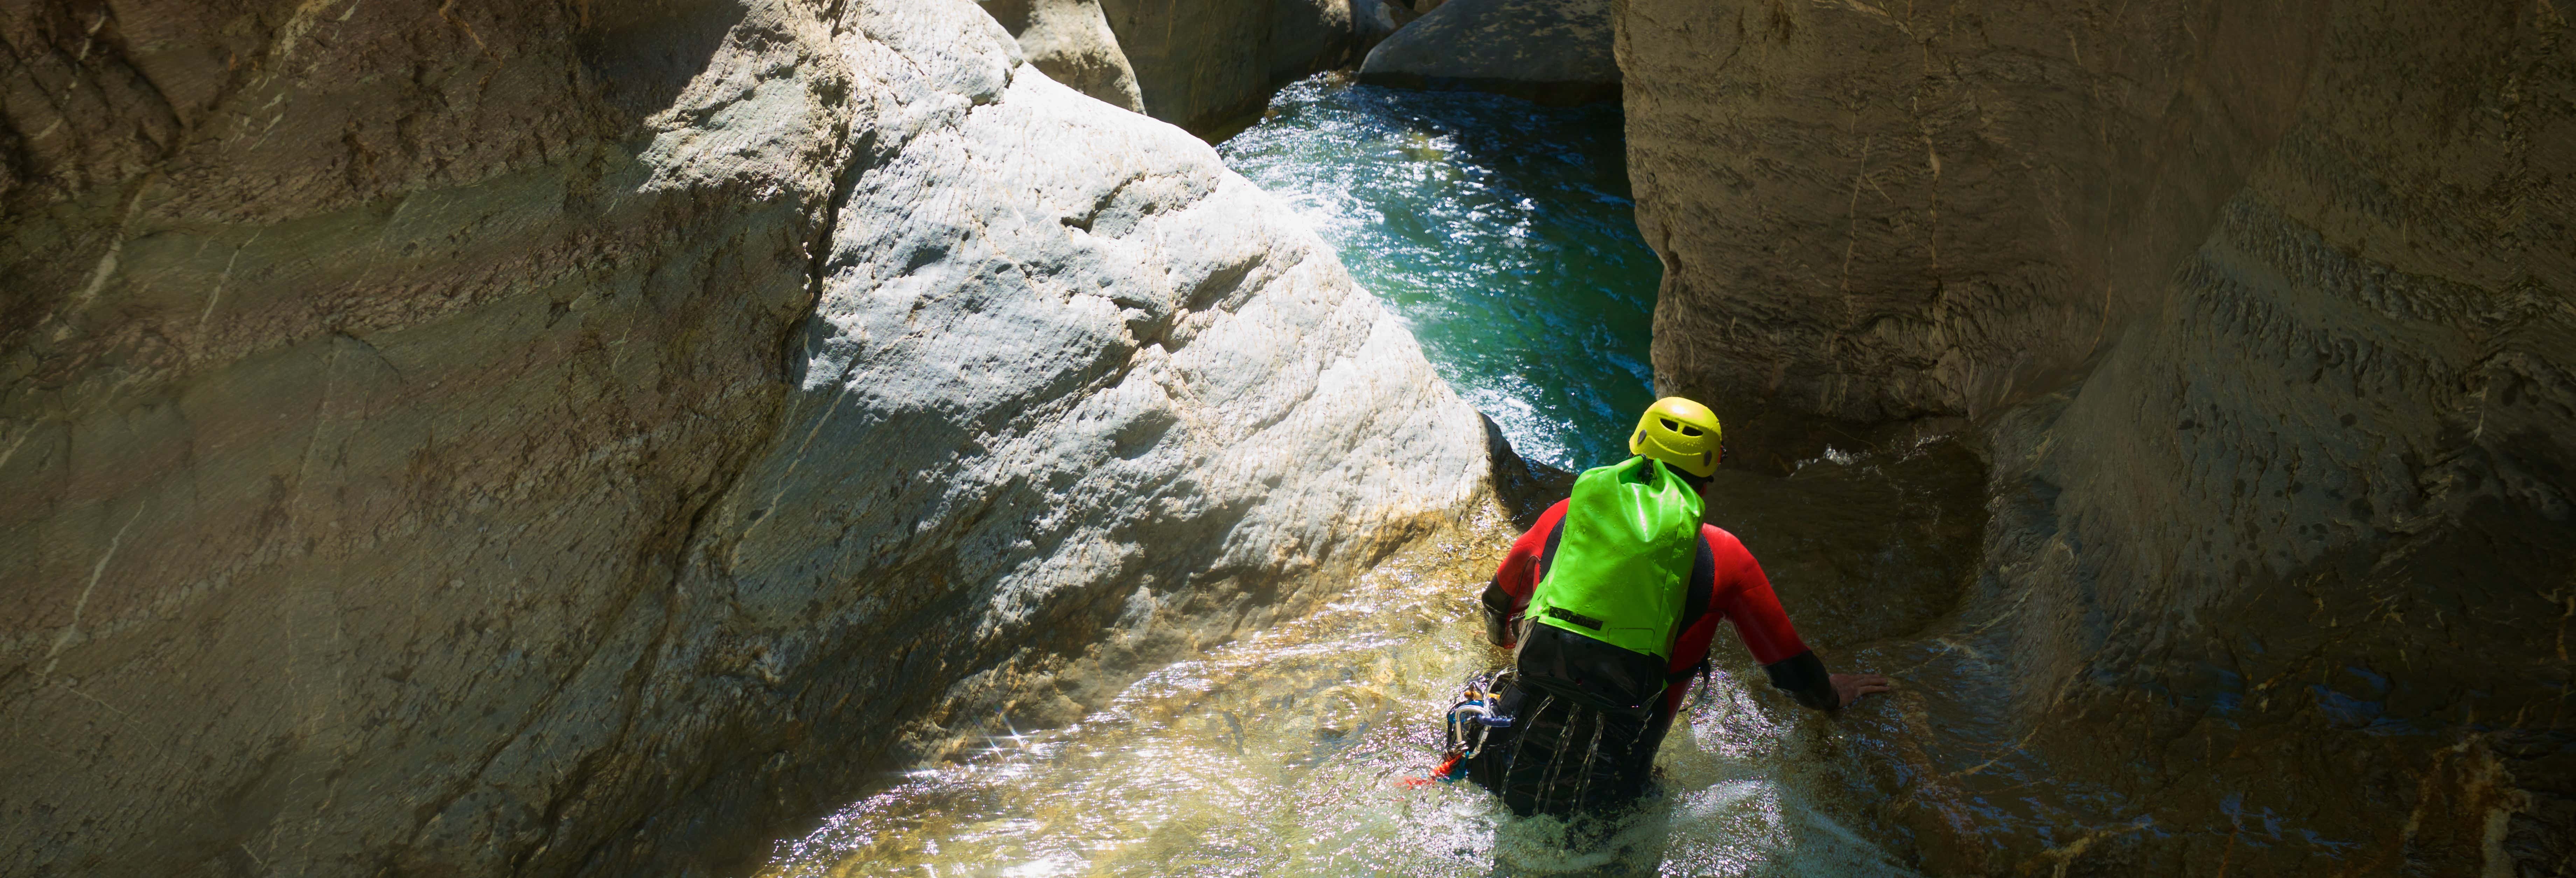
<point>1850,687</point>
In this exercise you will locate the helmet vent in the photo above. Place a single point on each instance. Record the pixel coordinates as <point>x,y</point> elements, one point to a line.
<point>1669,425</point>
<point>1688,430</point>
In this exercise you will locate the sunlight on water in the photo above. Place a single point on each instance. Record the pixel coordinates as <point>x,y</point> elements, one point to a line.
<point>1499,229</point>
<point>1282,753</point>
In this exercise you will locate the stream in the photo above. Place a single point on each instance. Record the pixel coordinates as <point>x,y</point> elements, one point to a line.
<point>1502,232</point>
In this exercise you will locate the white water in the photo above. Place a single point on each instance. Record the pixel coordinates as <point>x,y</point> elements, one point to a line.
<point>1282,754</point>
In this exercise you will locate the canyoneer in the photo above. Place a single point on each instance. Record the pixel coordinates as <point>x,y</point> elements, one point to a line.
<point>1611,602</point>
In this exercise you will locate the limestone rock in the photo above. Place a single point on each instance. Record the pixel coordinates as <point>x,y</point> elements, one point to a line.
<point>2260,314</point>
<point>1070,41</point>
<point>1210,67</point>
<point>1871,236</point>
<point>1372,21</point>
<point>621,432</point>
<point>1307,36</point>
<point>1554,50</point>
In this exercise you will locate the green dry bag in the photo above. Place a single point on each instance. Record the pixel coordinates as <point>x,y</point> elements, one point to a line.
<point>1631,533</point>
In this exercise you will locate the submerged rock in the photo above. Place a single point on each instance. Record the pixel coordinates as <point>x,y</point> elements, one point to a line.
<point>2248,309</point>
<point>1555,51</point>
<point>628,429</point>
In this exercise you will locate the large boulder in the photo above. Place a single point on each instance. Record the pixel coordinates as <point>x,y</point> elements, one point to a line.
<point>1211,67</point>
<point>1070,41</point>
<point>2260,315</point>
<point>1307,36</point>
<point>1372,21</point>
<point>1207,68</point>
<point>1557,51</point>
<point>624,430</point>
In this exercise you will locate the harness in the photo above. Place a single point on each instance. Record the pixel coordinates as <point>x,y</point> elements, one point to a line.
<point>1595,648</point>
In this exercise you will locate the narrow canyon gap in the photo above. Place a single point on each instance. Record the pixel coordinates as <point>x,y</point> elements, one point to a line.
<point>472,438</point>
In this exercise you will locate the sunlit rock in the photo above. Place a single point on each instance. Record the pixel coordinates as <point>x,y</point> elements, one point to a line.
<point>551,438</point>
<point>1070,41</point>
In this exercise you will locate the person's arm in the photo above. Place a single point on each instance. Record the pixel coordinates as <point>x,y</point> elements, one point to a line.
<point>1507,595</point>
<point>1745,595</point>
<point>1698,629</point>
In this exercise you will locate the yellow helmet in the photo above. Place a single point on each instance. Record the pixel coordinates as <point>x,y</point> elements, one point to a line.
<point>1679,432</point>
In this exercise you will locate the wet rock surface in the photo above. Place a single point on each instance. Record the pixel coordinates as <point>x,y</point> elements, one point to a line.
<point>625,428</point>
<point>2258,317</point>
<point>1525,488</point>
<point>1552,51</point>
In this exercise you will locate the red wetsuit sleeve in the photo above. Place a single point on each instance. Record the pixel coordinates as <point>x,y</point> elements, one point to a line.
<point>1690,647</point>
<point>1738,592</point>
<point>1522,567</point>
<point>1743,595</point>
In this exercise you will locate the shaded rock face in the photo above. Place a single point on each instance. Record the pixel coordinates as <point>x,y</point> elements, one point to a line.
<point>477,438</point>
<point>1070,41</point>
<point>1555,51</point>
<point>1210,67</point>
<point>1871,218</point>
<point>1375,20</point>
<point>2260,314</point>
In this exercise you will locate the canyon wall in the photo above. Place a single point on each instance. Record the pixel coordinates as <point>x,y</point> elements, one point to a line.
<point>479,438</point>
<point>2260,315</point>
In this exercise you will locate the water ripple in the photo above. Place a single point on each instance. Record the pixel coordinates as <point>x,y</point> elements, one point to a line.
<point>1500,230</point>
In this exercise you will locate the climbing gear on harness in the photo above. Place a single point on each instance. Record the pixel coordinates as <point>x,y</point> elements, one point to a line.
<point>1470,724</point>
<point>1679,432</point>
<point>1478,712</point>
<point>1565,757</point>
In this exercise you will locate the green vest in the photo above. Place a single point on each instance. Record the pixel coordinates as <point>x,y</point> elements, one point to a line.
<point>1631,533</point>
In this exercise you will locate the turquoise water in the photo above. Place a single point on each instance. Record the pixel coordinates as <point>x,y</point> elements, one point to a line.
<point>1500,230</point>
